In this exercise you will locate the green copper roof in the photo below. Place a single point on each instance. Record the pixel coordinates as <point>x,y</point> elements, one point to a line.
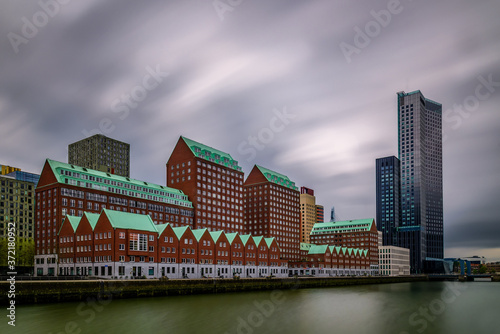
<point>211,154</point>
<point>231,236</point>
<point>215,235</point>
<point>342,226</point>
<point>198,233</point>
<point>305,246</point>
<point>179,231</point>
<point>318,249</point>
<point>73,221</point>
<point>161,227</point>
<point>277,178</point>
<point>93,179</point>
<point>127,220</point>
<point>244,238</point>
<point>257,240</point>
<point>269,241</point>
<point>92,218</point>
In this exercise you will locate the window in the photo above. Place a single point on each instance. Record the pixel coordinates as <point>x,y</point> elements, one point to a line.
<point>121,235</point>
<point>122,247</point>
<point>151,238</point>
<point>138,242</point>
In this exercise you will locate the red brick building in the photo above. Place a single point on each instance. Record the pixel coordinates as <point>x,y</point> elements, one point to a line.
<point>360,233</point>
<point>272,209</point>
<point>65,189</point>
<point>324,260</point>
<point>121,244</point>
<point>213,181</point>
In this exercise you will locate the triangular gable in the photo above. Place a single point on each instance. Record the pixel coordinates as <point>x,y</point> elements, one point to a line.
<point>130,221</point>
<point>72,221</point>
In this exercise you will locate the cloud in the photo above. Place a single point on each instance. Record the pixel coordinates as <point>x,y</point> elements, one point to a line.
<point>226,78</point>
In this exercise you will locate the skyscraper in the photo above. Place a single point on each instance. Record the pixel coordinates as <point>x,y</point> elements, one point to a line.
<point>420,153</point>
<point>308,214</point>
<point>388,183</point>
<point>272,209</point>
<point>332,214</point>
<point>101,153</point>
<point>213,181</point>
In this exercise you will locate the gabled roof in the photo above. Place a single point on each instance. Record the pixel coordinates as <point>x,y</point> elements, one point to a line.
<point>269,241</point>
<point>132,221</point>
<point>92,218</point>
<point>198,233</point>
<point>94,179</point>
<point>161,227</point>
<point>257,240</point>
<point>179,231</point>
<point>231,236</point>
<point>318,249</point>
<point>244,238</point>
<point>343,226</point>
<point>72,220</point>
<point>216,235</point>
<point>211,154</point>
<point>277,178</point>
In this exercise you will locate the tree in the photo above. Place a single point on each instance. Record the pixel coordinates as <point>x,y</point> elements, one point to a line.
<point>482,269</point>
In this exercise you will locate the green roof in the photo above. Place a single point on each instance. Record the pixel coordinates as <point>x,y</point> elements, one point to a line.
<point>74,221</point>
<point>305,246</point>
<point>111,183</point>
<point>198,233</point>
<point>342,226</point>
<point>269,241</point>
<point>257,240</point>
<point>215,235</point>
<point>231,236</point>
<point>127,220</point>
<point>211,154</point>
<point>318,249</point>
<point>277,178</point>
<point>161,227</point>
<point>179,231</point>
<point>92,218</point>
<point>244,238</point>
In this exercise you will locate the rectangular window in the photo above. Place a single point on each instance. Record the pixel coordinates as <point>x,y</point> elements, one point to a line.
<point>138,242</point>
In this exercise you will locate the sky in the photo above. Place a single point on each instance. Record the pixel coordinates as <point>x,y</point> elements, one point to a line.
<point>305,88</point>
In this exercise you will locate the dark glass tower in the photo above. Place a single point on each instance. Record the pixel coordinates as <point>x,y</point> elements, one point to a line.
<point>388,199</point>
<point>420,154</point>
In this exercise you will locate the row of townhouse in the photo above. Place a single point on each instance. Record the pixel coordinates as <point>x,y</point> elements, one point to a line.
<point>325,260</point>
<point>125,245</point>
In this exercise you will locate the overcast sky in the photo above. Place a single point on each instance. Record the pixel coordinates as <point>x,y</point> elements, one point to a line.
<point>306,88</point>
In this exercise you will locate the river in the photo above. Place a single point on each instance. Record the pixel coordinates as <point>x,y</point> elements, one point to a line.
<point>421,307</point>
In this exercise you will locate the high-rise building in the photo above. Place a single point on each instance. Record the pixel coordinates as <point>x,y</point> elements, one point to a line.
<point>308,214</point>
<point>420,153</point>
<point>213,181</point>
<point>320,213</point>
<point>388,187</point>
<point>272,209</point>
<point>332,215</point>
<point>66,189</point>
<point>101,153</point>
<point>17,202</point>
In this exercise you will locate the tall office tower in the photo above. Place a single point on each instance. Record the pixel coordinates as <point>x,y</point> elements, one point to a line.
<point>308,214</point>
<point>332,215</point>
<point>320,213</point>
<point>101,153</point>
<point>212,180</point>
<point>272,209</point>
<point>420,153</point>
<point>17,203</point>
<point>388,199</point>
<point>65,189</point>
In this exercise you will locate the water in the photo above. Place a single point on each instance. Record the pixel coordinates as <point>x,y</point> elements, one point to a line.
<point>423,307</point>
